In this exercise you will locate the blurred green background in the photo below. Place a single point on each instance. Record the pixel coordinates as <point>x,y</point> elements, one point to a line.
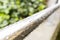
<point>13,10</point>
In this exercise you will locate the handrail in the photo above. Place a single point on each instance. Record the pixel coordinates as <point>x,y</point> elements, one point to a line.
<point>29,21</point>
<point>48,30</point>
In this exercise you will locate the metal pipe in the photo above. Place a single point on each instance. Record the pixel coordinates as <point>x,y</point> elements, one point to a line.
<point>34,19</point>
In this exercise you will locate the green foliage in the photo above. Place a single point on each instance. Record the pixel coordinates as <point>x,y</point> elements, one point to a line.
<point>13,10</point>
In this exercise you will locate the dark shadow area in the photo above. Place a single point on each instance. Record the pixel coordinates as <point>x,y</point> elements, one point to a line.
<point>58,36</point>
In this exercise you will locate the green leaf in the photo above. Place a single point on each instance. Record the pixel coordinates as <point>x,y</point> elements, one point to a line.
<point>41,7</point>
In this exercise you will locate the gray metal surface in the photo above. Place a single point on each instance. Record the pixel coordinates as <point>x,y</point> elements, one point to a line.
<point>48,30</point>
<point>27,23</point>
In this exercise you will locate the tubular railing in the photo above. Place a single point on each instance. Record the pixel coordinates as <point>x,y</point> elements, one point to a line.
<point>21,29</point>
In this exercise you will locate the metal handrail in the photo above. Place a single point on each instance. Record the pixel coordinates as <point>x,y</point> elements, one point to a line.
<point>23,24</point>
